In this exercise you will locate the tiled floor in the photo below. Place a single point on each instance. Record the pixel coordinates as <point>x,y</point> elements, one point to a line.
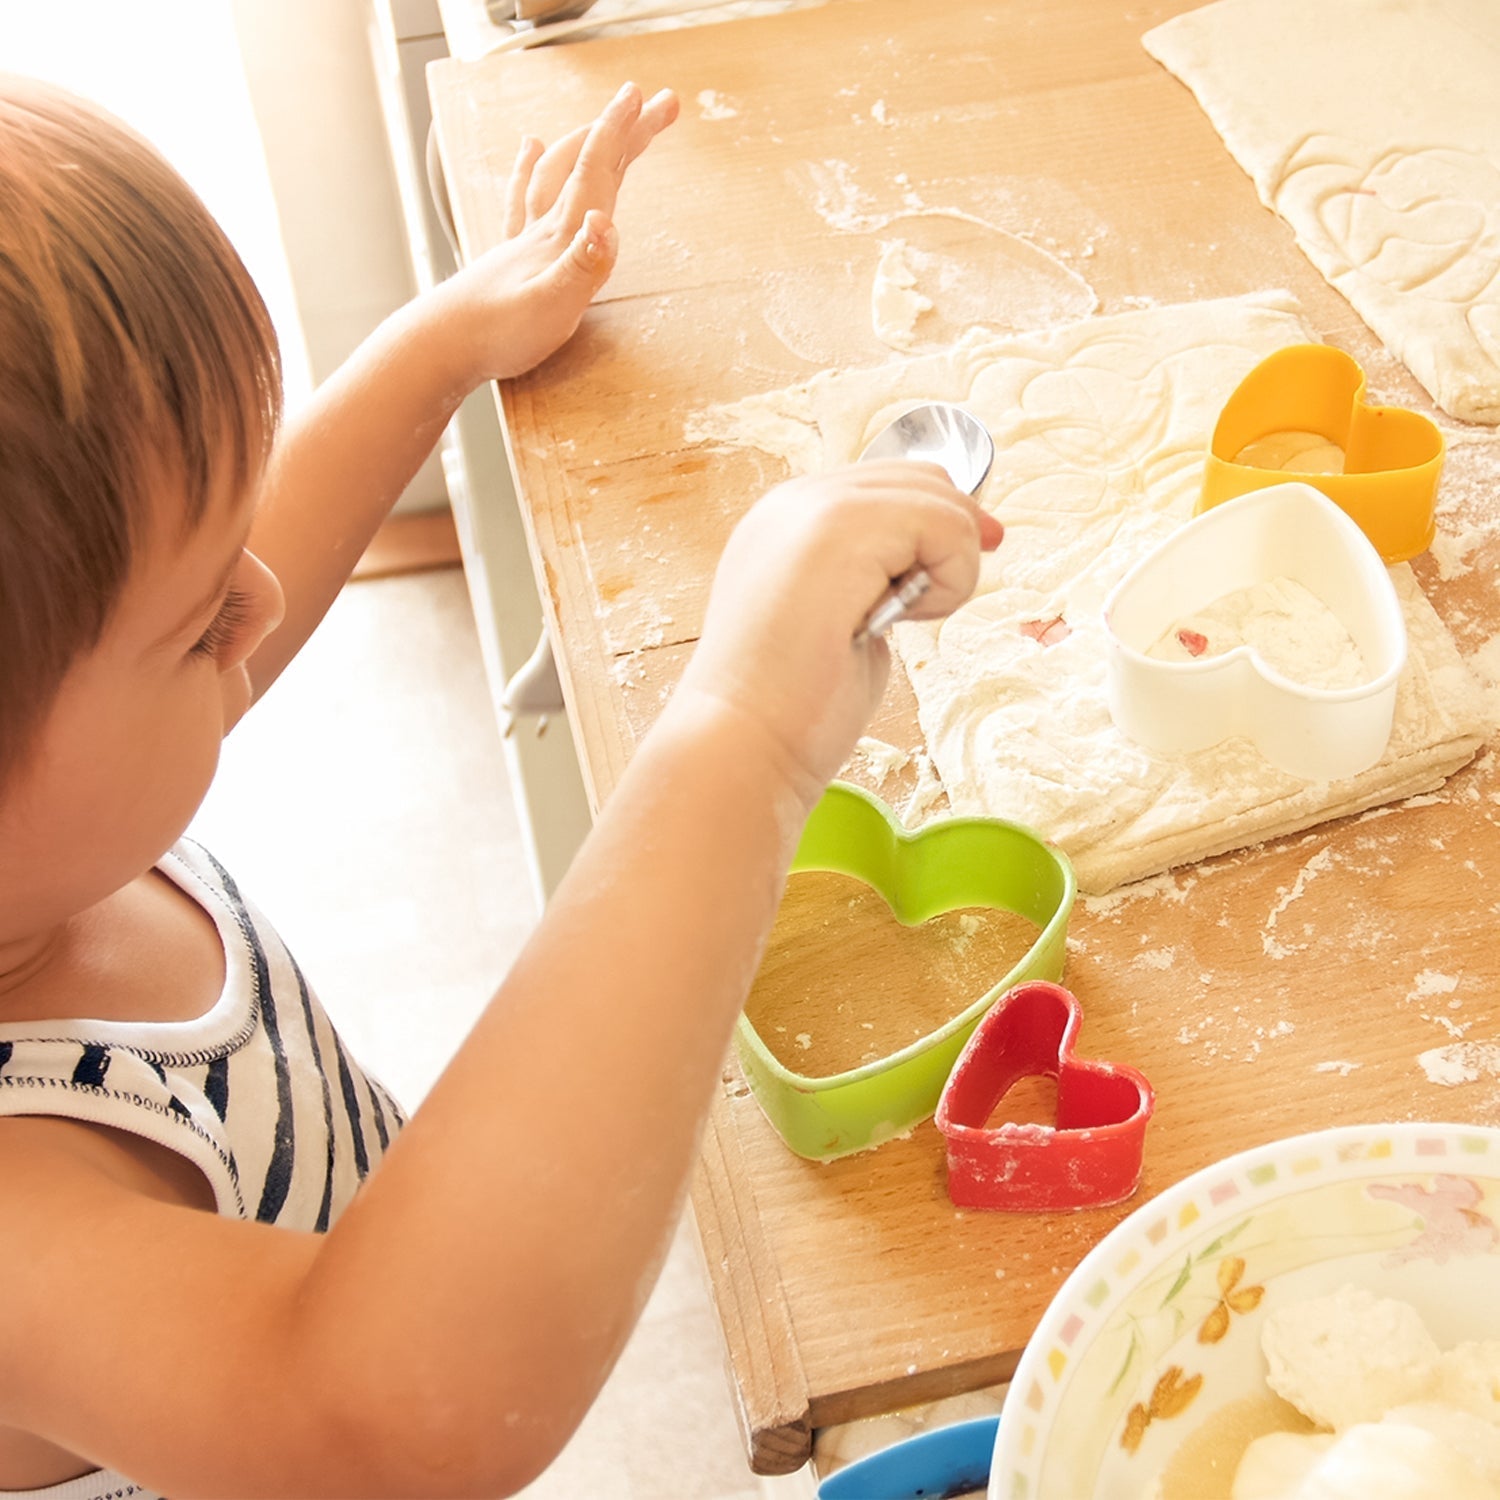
<point>363,805</point>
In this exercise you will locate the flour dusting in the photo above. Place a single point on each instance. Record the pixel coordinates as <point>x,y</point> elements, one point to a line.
<point>928,790</point>
<point>1155,958</point>
<point>1461,1062</point>
<point>713,105</point>
<point>1314,867</point>
<point>1429,982</point>
<point>1293,631</point>
<point>882,760</point>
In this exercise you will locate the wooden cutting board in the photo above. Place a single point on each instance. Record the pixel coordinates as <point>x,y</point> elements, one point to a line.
<point>1279,990</point>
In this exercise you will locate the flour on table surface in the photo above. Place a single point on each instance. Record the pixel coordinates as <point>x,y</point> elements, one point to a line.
<point>1100,430</point>
<point>964,252</point>
<point>713,105</point>
<point>928,791</point>
<point>1461,1062</point>
<point>879,758</point>
<point>895,302</point>
<point>1372,129</point>
<point>945,271</point>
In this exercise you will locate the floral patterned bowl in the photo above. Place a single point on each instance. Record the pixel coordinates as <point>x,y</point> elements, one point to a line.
<point>1156,1335</point>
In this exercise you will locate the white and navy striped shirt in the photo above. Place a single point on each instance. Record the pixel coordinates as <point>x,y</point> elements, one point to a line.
<point>258,1092</point>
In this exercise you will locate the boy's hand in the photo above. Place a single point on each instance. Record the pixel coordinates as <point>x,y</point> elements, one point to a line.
<point>796,581</point>
<point>522,300</point>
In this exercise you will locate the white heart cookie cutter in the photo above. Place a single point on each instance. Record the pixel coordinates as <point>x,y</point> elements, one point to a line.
<point>1285,531</point>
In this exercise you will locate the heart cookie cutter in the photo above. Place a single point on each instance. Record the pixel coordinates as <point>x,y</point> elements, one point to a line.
<point>1287,531</point>
<point>1391,457</point>
<point>1090,1158</point>
<point>949,864</point>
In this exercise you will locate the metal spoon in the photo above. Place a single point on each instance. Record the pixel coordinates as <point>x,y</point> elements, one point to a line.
<point>959,443</point>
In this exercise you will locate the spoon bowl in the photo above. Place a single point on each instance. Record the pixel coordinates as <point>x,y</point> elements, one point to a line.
<point>960,444</point>
<point>940,433</point>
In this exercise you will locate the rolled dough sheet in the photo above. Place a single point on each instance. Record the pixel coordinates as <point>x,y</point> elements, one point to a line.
<point>1100,430</point>
<point>1373,128</point>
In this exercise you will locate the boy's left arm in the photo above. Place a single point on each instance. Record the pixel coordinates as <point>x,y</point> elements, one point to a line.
<point>342,462</point>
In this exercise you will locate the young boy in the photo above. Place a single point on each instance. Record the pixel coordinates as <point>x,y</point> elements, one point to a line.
<point>207,1286</point>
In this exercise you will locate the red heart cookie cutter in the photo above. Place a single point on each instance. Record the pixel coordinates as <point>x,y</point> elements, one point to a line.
<point>1091,1157</point>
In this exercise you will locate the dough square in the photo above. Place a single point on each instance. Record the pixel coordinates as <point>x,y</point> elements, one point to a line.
<point>1100,428</point>
<point>1372,128</point>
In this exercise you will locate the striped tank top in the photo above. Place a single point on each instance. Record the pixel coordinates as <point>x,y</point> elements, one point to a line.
<point>258,1093</point>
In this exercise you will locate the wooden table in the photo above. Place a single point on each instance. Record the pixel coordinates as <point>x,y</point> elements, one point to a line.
<point>1279,990</point>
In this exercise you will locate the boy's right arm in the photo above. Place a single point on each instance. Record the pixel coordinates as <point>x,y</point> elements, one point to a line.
<point>451,1330</point>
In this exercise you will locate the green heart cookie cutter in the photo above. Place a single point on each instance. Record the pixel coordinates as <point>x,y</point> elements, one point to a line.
<point>952,863</point>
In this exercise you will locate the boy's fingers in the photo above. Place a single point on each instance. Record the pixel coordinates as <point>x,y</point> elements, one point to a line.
<point>920,474</point>
<point>928,523</point>
<point>529,154</point>
<point>656,114</point>
<point>553,170</point>
<point>584,169</point>
<point>601,161</point>
<point>590,255</point>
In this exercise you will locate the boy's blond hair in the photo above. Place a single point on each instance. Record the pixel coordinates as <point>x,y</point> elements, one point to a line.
<point>134,351</point>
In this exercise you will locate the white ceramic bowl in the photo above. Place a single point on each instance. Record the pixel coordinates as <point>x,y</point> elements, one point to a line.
<point>1410,1211</point>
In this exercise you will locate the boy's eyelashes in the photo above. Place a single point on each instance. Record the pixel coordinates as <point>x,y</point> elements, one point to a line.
<point>232,613</point>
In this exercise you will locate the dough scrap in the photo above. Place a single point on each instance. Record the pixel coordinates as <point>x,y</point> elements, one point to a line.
<point>1349,1357</point>
<point>1371,127</point>
<point>1100,429</point>
<point>1409,1422</point>
<point>1371,1461</point>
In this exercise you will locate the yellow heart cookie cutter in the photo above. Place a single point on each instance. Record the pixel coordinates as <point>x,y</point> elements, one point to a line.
<point>1391,457</point>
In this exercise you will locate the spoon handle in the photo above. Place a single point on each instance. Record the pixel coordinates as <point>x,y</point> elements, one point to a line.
<point>905,591</point>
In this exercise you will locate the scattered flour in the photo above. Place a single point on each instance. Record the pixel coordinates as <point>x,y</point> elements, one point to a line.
<point>968,925</point>
<point>1485,664</point>
<point>950,272</point>
<point>882,760</point>
<point>1286,625</point>
<point>928,790</point>
<point>1429,982</point>
<point>1316,866</point>
<point>713,105</point>
<point>837,198</point>
<point>895,303</point>
<point>1451,550</point>
<point>1461,1062</point>
<point>1155,958</point>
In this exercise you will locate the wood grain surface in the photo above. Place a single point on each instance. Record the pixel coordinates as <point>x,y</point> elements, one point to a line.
<point>1277,990</point>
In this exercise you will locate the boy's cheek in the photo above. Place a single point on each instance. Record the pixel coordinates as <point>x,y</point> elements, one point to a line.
<point>236,695</point>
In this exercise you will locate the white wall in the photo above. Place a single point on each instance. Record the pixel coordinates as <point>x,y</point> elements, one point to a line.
<point>269,108</point>
<point>311,77</point>
<point>171,68</point>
